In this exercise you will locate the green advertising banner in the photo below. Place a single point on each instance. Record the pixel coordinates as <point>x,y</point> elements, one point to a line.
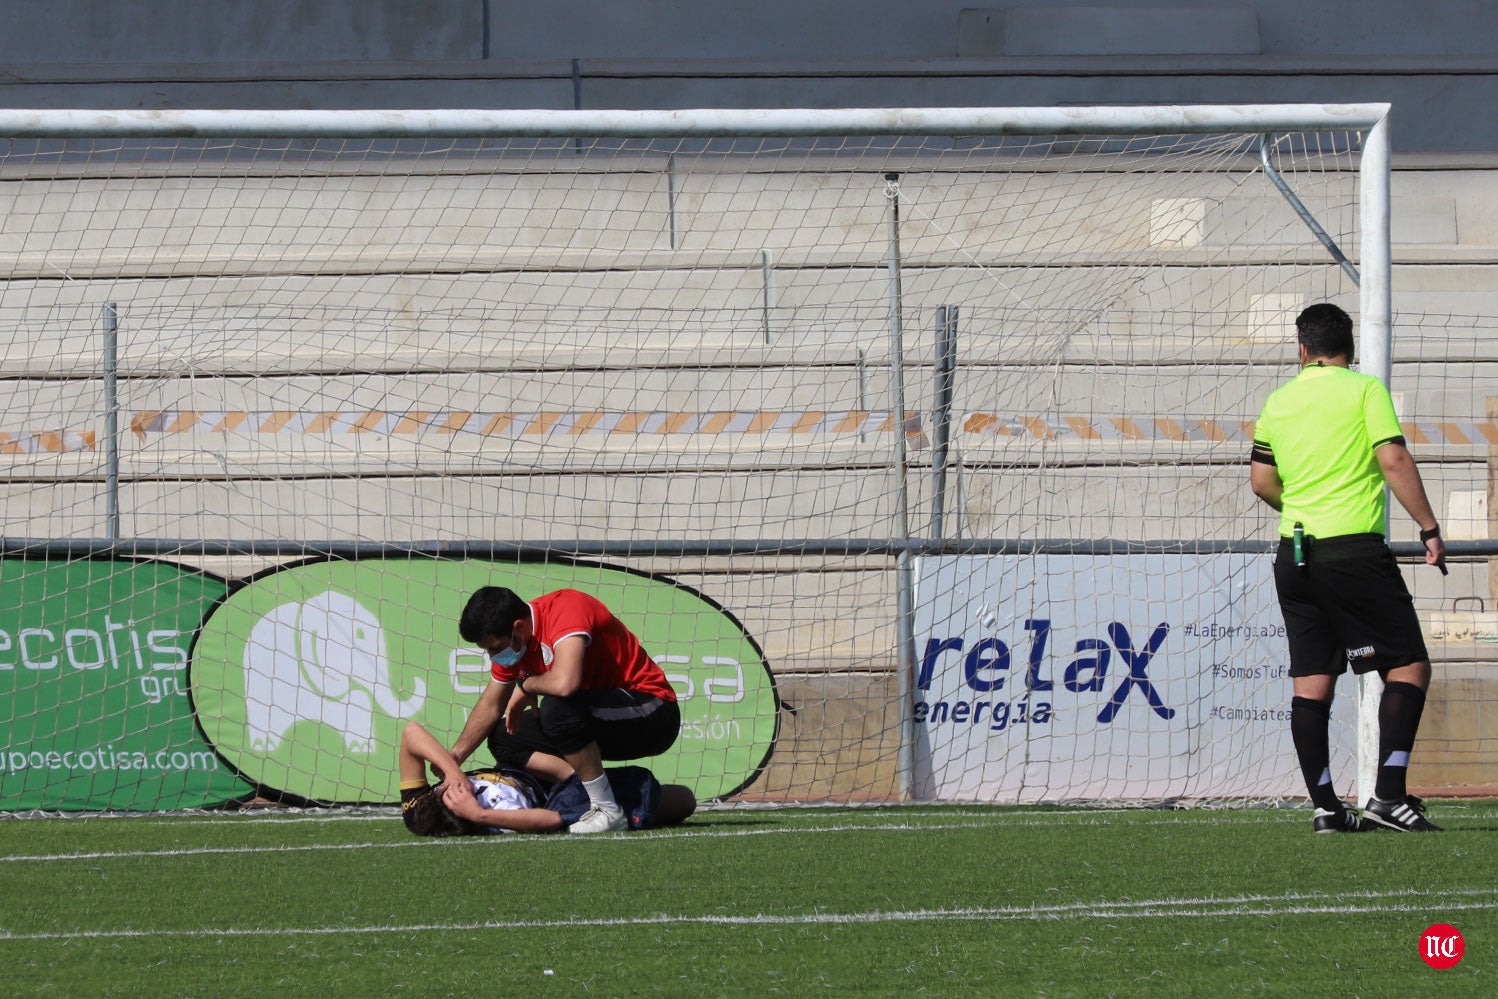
<point>93,692</point>
<point>304,678</point>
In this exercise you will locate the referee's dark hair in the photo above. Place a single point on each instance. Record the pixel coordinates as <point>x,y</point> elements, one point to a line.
<point>1325,331</point>
<point>491,612</point>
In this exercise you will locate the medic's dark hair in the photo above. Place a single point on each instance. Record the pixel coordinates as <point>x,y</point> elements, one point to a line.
<point>492,611</point>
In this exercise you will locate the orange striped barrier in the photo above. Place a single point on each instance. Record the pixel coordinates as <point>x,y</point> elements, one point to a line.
<point>545,423</point>
<point>46,441</point>
<point>999,427</point>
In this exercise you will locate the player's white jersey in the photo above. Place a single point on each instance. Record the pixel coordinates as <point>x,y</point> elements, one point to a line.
<point>501,794</point>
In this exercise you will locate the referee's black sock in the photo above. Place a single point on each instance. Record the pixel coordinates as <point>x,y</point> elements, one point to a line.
<point>1399,713</point>
<point>1310,722</point>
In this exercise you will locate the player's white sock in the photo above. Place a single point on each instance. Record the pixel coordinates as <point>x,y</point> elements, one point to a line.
<point>600,794</point>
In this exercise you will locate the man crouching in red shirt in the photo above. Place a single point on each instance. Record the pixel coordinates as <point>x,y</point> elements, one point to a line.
<point>602,698</point>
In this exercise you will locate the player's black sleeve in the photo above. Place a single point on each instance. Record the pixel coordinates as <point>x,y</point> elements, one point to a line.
<point>1262,453</point>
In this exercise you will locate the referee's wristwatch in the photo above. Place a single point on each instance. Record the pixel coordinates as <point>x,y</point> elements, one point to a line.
<point>1434,532</point>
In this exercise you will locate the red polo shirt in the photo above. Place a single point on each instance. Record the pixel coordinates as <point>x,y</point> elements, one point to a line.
<point>612,657</point>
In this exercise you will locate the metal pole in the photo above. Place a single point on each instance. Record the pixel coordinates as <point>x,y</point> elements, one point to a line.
<point>34,123</point>
<point>904,580</point>
<point>1375,305</point>
<point>671,197</point>
<point>1376,334</point>
<point>1265,147</point>
<point>863,390</point>
<point>702,548</point>
<point>767,275</point>
<point>111,422</point>
<point>941,420</point>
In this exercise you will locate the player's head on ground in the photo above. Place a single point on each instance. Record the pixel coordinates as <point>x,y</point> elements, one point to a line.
<point>1325,331</point>
<point>491,613</point>
<point>427,815</point>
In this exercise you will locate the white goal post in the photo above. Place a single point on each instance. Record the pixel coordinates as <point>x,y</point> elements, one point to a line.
<point>909,440</point>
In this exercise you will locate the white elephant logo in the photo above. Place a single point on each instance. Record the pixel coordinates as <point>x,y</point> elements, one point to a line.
<point>320,660</point>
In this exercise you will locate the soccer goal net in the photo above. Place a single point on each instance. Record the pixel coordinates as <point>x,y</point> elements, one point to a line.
<point>911,443</point>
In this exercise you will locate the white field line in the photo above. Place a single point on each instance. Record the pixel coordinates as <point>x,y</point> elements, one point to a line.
<point>790,813</point>
<point>785,813</point>
<point>1253,906</point>
<point>782,813</point>
<point>680,833</point>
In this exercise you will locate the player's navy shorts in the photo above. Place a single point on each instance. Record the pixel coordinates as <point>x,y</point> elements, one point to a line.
<point>1348,606</point>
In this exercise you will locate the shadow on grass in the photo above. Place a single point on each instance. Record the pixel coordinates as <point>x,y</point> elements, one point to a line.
<point>726,822</point>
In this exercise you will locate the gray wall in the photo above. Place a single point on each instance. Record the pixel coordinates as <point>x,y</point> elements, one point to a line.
<point>191,31</point>
<point>1435,61</point>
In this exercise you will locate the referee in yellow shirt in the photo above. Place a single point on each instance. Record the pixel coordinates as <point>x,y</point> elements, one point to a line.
<point>1324,446</point>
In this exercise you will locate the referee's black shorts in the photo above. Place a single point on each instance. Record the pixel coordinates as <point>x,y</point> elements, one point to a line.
<point>1348,606</point>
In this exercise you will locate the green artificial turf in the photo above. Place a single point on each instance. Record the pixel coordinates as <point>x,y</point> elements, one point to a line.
<point>956,901</point>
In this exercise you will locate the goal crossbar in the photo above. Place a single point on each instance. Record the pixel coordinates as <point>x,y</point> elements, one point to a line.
<point>448,123</point>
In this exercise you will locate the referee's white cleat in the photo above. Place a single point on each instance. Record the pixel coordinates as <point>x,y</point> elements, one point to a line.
<point>597,820</point>
<point>1405,814</point>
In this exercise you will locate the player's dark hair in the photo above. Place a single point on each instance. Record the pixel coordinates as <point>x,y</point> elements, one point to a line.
<point>491,611</point>
<point>675,805</point>
<point>1325,331</point>
<point>428,815</point>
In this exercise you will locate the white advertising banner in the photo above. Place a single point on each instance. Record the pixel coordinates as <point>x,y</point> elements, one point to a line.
<point>1065,677</point>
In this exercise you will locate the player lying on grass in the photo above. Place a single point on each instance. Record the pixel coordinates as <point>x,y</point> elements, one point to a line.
<point>543,797</point>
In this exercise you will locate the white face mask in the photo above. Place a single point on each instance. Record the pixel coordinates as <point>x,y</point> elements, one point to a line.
<point>509,657</point>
